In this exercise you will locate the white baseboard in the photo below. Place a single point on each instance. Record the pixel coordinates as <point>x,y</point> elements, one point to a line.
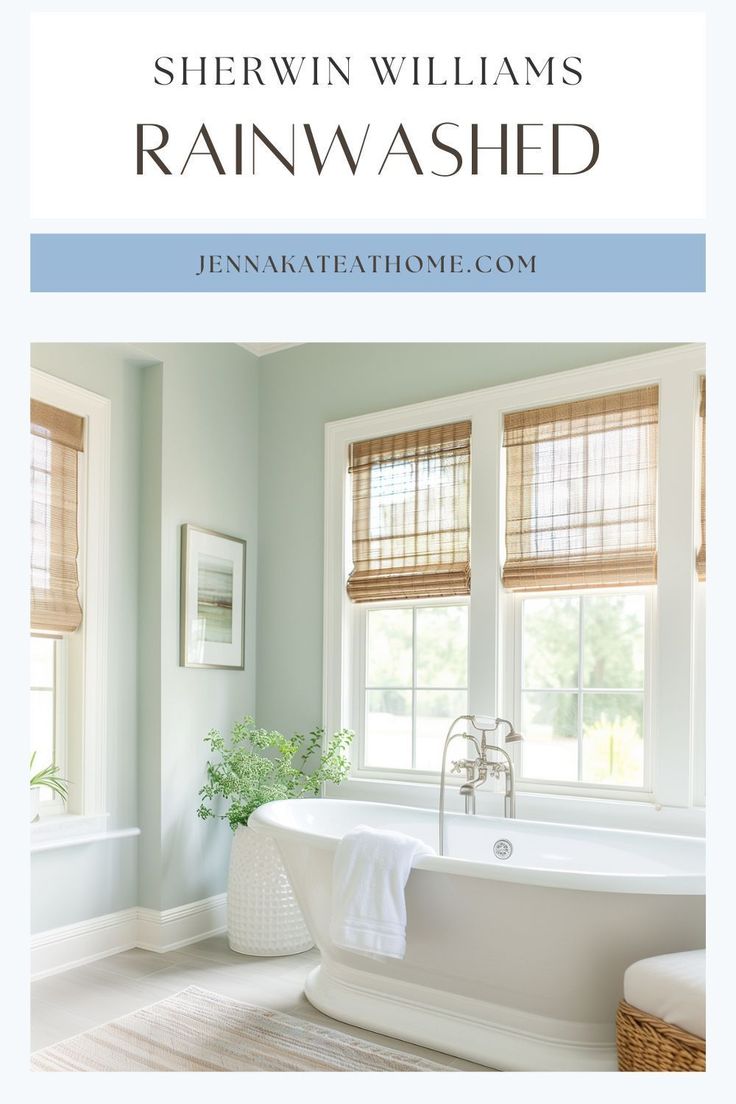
<point>75,944</point>
<point>176,927</point>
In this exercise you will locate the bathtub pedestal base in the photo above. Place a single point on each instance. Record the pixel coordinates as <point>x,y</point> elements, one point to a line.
<point>501,1038</point>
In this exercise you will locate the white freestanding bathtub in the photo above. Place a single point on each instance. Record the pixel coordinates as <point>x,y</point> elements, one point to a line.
<point>514,963</point>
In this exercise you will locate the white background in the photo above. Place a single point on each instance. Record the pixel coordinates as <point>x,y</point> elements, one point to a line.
<point>411,318</point>
<point>642,92</point>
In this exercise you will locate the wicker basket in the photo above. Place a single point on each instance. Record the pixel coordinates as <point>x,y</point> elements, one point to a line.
<point>646,1043</point>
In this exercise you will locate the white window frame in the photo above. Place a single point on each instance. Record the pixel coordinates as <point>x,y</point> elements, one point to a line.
<point>675,743</point>
<point>85,651</point>
<point>699,690</point>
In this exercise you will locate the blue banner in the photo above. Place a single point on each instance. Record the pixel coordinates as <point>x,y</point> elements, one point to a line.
<point>368,262</point>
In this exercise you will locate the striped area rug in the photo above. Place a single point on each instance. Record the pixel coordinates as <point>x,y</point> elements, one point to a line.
<point>199,1031</point>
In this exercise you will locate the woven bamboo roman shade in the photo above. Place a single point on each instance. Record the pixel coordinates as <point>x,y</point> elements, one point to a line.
<point>700,557</point>
<point>57,438</point>
<point>581,489</point>
<point>411,515</point>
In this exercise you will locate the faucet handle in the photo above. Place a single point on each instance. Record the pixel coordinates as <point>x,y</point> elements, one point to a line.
<point>464,765</point>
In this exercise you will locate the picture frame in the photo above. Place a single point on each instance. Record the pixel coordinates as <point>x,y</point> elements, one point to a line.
<point>212,611</point>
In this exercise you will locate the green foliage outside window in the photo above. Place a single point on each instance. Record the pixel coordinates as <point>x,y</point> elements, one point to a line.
<point>583,679</point>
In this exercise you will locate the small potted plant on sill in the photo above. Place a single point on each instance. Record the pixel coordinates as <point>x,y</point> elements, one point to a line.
<point>50,777</point>
<point>261,765</point>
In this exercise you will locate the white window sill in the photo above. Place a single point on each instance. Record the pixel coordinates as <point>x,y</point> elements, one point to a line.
<point>70,830</point>
<point>598,812</point>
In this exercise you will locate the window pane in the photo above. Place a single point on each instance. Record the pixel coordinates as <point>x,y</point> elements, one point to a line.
<point>549,725</point>
<point>550,642</point>
<point>42,732</point>
<point>436,709</point>
<point>613,641</point>
<point>388,728</point>
<point>42,704</point>
<point>42,661</point>
<point>442,646</point>
<point>613,745</point>
<point>389,647</point>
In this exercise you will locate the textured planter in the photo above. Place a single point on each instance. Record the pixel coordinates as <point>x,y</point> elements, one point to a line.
<point>263,917</point>
<point>35,802</point>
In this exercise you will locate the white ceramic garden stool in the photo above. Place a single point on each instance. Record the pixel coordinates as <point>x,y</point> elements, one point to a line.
<point>263,916</point>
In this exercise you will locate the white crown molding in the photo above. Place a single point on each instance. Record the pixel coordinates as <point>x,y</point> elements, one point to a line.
<point>76,944</point>
<point>264,348</point>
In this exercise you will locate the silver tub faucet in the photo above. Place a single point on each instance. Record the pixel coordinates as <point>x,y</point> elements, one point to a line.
<point>479,769</point>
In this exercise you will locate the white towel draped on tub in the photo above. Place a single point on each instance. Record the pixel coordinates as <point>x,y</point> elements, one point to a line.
<point>369,875</point>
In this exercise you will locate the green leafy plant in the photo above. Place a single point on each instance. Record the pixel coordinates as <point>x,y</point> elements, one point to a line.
<point>51,778</point>
<point>261,765</point>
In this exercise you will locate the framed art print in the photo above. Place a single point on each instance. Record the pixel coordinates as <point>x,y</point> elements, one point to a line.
<point>212,632</point>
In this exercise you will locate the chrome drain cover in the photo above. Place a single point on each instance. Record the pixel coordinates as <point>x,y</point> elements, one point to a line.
<point>503,849</point>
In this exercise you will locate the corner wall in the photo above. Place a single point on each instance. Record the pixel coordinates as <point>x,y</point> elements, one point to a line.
<point>208,475</point>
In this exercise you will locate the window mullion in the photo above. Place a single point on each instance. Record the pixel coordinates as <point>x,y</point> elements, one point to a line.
<point>673,645</point>
<point>360,675</point>
<point>518,685</point>
<point>414,688</point>
<point>484,665</point>
<point>580,688</point>
<point>57,734</point>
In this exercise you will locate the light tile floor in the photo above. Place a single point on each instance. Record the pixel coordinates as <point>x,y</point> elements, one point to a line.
<point>87,996</point>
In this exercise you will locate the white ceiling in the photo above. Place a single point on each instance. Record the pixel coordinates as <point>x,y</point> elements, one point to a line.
<point>264,348</point>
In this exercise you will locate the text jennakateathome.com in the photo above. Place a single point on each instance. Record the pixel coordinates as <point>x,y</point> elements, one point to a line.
<point>369,264</point>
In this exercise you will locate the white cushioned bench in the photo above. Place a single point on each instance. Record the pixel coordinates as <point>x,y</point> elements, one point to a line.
<point>661,1020</point>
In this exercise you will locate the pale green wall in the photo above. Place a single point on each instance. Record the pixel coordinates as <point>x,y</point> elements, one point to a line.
<point>301,389</point>
<point>184,448</point>
<point>208,472</point>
